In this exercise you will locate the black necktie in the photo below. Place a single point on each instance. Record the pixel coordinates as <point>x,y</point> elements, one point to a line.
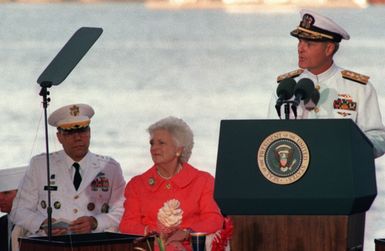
<point>77,177</point>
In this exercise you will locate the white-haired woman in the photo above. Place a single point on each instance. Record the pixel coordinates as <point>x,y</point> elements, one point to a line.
<point>172,198</point>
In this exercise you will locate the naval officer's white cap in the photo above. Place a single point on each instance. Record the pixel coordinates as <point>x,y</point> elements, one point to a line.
<point>11,177</point>
<point>72,117</point>
<point>316,27</point>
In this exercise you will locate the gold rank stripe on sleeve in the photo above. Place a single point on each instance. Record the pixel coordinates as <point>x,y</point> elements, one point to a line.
<point>291,74</point>
<point>356,77</point>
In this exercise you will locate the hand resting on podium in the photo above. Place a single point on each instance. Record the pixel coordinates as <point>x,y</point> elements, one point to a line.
<point>81,225</point>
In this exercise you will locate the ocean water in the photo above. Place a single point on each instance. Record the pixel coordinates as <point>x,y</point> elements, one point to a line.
<point>202,65</point>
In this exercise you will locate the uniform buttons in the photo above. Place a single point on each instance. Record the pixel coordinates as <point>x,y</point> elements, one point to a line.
<point>76,197</point>
<point>57,205</point>
<point>318,87</point>
<point>75,211</point>
<point>316,109</point>
<point>168,186</point>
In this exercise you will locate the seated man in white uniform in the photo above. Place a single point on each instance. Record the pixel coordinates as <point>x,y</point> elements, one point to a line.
<point>90,187</point>
<point>342,93</point>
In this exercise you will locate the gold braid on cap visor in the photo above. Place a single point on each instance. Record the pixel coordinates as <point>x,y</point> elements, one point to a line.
<point>316,34</point>
<point>74,125</point>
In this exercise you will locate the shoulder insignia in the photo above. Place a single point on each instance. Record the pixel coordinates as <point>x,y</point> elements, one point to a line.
<point>291,74</point>
<point>356,77</point>
<point>102,157</point>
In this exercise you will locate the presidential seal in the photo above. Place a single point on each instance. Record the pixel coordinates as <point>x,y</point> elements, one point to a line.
<point>283,157</point>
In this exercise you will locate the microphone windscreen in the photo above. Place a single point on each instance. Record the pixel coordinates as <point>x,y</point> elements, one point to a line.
<point>305,87</point>
<point>312,101</point>
<point>285,88</point>
<point>316,96</point>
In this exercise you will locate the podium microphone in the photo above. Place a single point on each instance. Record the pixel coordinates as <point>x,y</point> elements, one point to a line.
<point>312,101</point>
<point>303,90</point>
<point>285,91</point>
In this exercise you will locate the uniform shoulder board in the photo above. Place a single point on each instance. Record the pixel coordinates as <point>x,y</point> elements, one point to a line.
<point>102,157</point>
<point>359,78</point>
<point>291,74</point>
<point>107,159</point>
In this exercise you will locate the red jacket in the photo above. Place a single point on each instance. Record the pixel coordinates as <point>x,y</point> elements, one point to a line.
<point>146,193</point>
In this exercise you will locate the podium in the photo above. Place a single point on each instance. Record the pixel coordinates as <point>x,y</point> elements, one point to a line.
<point>295,184</point>
<point>87,242</point>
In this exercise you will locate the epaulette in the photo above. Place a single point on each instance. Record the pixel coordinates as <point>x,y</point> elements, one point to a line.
<point>356,77</point>
<point>107,159</point>
<point>291,74</point>
<point>102,157</point>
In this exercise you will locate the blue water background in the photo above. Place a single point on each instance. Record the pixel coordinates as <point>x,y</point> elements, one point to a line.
<point>202,65</point>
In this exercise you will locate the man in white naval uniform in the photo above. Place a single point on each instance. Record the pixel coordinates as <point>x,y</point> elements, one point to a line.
<point>343,93</point>
<point>96,205</point>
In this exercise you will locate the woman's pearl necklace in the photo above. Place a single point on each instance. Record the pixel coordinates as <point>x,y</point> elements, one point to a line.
<point>169,177</point>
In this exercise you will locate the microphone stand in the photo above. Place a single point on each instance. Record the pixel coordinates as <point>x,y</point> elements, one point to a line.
<point>44,93</point>
<point>287,110</point>
<point>287,105</point>
<point>294,108</point>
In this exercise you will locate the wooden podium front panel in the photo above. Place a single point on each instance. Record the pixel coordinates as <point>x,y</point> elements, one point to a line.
<point>111,247</point>
<point>380,244</point>
<point>88,242</point>
<point>294,233</point>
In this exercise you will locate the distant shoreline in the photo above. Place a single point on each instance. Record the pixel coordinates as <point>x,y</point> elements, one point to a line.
<point>70,1</point>
<point>247,5</point>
